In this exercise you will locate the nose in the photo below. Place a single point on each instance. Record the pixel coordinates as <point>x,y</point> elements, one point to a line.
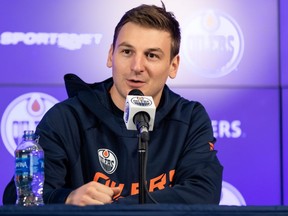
<point>137,63</point>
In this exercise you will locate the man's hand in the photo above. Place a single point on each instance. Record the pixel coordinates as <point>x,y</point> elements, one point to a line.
<point>92,193</point>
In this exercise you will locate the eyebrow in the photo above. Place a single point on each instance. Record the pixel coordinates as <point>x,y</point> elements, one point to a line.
<point>125,44</point>
<point>148,50</point>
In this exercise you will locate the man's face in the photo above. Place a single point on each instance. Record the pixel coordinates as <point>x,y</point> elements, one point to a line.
<point>140,60</point>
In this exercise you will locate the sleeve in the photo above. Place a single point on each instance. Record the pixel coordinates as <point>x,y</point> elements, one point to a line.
<point>55,131</point>
<point>198,175</point>
<point>9,195</point>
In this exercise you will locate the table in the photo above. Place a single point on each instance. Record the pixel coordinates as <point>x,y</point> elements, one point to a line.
<point>143,210</point>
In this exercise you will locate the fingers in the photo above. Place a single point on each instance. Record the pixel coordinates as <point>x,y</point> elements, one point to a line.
<point>99,192</point>
<point>92,193</point>
<point>86,200</point>
<point>116,191</point>
<point>100,188</point>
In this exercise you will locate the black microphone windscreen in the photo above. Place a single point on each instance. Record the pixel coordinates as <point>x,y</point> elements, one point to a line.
<point>136,92</point>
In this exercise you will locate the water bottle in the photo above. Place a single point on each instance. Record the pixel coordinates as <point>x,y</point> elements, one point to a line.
<point>29,170</point>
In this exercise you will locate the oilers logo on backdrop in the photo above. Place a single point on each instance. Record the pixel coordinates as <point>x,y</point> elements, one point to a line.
<point>227,129</point>
<point>213,44</point>
<point>23,113</point>
<point>231,196</point>
<point>108,160</point>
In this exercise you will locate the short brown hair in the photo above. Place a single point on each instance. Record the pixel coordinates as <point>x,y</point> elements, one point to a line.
<point>153,17</point>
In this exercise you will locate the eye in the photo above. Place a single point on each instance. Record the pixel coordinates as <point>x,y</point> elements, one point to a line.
<point>126,52</point>
<point>152,55</point>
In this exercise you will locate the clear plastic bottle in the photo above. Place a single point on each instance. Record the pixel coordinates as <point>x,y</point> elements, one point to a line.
<point>29,170</point>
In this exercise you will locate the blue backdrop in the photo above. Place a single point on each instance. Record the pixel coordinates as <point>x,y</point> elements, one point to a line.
<point>233,60</point>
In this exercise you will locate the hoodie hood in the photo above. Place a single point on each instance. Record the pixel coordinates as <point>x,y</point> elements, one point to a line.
<point>95,96</point>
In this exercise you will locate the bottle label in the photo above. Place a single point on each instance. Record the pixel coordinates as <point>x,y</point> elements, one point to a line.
<point>23,165</point>
<point>29,164</point>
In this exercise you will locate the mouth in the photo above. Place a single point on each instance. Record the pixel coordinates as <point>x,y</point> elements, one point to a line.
<point>135,83</point>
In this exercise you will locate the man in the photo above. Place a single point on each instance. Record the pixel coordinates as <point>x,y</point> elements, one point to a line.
<point>90,156</point>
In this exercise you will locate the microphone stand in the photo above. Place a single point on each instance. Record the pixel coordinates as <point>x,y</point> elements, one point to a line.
<point>142,148</point>
<point>141,120</point>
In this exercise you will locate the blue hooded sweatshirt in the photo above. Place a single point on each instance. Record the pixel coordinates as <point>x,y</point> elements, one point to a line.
<point>85,138</point>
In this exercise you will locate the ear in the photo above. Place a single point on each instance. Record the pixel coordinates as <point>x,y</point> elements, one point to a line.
<point>110,57</point>
<point>174,66</point>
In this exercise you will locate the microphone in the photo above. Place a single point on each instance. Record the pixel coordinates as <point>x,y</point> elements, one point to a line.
<point>139,114</point>
<point>139,111</point>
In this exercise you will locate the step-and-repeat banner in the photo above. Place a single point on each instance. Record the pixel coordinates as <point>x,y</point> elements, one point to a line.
<point>284,86</point>
<point>229,62</point>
